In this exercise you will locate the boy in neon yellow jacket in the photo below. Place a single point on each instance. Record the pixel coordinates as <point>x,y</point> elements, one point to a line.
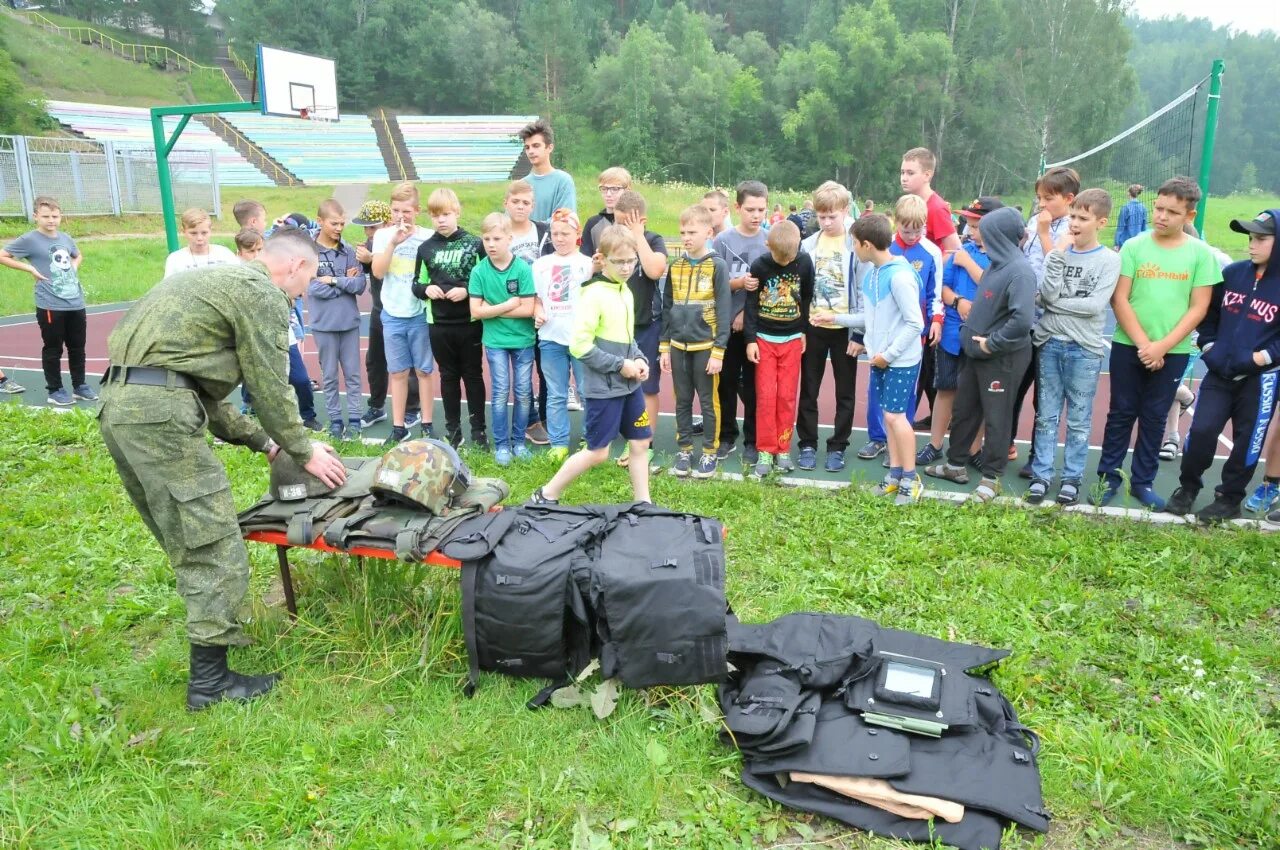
<point>604,340</point>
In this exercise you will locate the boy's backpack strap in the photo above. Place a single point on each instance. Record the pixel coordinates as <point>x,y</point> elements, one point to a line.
<point>470,577</point>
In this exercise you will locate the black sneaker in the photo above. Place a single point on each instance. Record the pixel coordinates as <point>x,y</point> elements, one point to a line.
<point>312,424</point>
<point>428,431</point>
<point>725,449</point>
<point>373,416</point>
<point>1218,511</point>
<point>1182,502</point>
<point>750,456</point>
<point>480,440</point>
<point>399,434</point>
<point>454,438</point>
<point>696,426</point>
<point>539,498</point>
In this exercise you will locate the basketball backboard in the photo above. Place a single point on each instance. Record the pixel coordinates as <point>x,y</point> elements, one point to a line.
<point>297,85</point>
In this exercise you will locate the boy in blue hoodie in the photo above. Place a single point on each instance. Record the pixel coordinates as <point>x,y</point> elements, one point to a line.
<point>1240,345</point>
<point>891,325</point>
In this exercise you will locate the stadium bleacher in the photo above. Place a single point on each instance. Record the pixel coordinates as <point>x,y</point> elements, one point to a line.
<point>131,127</point>
<point>318,152</point>
<point>463,147</point>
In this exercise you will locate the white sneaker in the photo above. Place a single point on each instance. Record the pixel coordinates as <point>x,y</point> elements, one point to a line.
<point>573,403</point>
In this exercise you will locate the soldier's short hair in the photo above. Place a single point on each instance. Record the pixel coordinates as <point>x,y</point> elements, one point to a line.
<point>291,242</point>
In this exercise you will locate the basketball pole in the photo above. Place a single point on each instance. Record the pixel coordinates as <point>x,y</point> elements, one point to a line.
<point>164,146</point>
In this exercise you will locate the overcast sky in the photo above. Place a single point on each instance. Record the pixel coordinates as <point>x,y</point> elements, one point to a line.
<point>1250,15</point>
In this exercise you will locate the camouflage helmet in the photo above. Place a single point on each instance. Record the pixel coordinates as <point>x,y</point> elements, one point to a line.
<point>291,483</point>
<point>426,473</point>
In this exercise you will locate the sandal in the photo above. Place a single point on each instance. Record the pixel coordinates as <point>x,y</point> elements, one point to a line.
<point>1068,493</point>
<point>955,474</point>
<point>1169,449</point>
<point>987,490</point>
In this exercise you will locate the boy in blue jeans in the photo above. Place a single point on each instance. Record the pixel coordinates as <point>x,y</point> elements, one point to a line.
<point>502,297</point>
<point>1079,277</point>
<point>604,340</point>
<point>1166,280</point>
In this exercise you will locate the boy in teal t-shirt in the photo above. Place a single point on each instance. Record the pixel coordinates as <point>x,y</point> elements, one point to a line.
<point>502,297</point>
<point>1166,280</point>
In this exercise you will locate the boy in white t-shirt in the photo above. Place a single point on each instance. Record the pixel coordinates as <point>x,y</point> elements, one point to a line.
<point>557,278</point>
<point>200,252</point>
<point>404,323</point>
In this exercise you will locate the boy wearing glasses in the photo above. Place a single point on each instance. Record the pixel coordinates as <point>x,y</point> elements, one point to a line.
<point>613,182</point>
<point>614,368</point>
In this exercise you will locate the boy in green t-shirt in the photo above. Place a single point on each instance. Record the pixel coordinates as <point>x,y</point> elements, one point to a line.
<point>502,297</point>
<point>1166,280</point>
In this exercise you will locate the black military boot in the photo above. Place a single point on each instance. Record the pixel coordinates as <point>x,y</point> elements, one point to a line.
<point>212,681</point>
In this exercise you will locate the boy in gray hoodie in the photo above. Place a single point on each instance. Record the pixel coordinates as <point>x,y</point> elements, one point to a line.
<point>891,325</point>
<point>996,339</point>
<point>335,320</point>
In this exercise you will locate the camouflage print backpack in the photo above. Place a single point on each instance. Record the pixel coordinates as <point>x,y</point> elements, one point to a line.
<point>422,473</point>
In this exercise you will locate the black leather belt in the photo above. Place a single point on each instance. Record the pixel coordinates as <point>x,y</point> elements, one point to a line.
<point>149,376</point>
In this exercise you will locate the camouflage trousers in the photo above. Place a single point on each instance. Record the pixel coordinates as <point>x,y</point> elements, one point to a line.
<point>156,436</point>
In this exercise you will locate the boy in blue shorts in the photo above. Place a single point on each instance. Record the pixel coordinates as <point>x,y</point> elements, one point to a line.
<point>892,325</point>
<point>604,340</point>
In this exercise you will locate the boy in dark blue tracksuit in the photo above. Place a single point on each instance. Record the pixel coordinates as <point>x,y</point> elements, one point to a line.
<point>1240,341</point>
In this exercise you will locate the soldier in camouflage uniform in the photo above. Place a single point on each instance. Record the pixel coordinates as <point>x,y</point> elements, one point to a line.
<point>176,356</point>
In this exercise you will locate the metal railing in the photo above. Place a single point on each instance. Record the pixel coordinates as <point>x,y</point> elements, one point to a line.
<point>395,149</point>
<point>250,151</point>
<point>239,63</point>
<point>150,54</point>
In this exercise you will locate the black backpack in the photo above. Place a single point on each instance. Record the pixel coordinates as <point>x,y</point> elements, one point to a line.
<point>657,593</point>
<point>521,612</point>
<point>547,588</point>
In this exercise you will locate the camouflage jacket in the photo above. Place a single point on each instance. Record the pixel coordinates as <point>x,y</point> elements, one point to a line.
<point>220,326</point>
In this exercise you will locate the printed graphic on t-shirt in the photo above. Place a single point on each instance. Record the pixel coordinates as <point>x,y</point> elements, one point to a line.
<point>526,247</point>
<point>829,289</point>
<point>1153,271</point>
<point>1079,283</point>
<point>779,296</point>
<point>557,303</point>
<point>63,279</point>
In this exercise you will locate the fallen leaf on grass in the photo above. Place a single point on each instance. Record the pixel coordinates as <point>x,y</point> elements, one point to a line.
<point>605,698</point>
<point>140,738</point>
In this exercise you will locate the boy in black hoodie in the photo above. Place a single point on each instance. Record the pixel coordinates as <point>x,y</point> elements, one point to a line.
<point>1240,341</point>
<point>442,273</point>
<point>996,339</point>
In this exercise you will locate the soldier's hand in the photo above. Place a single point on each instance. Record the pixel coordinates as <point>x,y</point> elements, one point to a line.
<point>326,465</point>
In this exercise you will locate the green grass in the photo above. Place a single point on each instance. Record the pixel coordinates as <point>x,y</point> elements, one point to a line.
<point>126,36</point>
<point>91,74</point>
<point>1145,656</point>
